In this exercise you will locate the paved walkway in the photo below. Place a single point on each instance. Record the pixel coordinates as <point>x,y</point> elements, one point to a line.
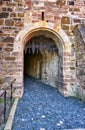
<point>43,108</point>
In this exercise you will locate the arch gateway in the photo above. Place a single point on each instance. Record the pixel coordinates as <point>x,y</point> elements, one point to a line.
<point>44,39</point>
<point>62,74</point>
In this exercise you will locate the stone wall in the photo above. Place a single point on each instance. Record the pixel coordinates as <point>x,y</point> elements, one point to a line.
<point>60,12</point>
<point>11,22</point>
<point>18,18</point>
<point>79,32</point>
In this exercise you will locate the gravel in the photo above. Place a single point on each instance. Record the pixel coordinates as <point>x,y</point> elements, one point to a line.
<point>43,108</point>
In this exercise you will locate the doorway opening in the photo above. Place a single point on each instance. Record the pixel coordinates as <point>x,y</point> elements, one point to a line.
<point>41,59</point>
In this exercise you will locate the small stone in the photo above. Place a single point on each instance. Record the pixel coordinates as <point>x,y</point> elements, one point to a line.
<point>61,122</point>
<point>38,113</point>
<point>22,119</point>
<point>42,128</point>
<point>43,116</point>
<point>32,119</point>
<point>58,124</point>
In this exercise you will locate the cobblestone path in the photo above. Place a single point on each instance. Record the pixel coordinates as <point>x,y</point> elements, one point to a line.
<point>43,108</point>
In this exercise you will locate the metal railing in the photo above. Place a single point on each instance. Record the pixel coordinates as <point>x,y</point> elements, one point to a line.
<point>7,100</point>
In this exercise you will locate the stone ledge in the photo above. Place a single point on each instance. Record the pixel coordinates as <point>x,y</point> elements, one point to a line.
<point>11,116</point>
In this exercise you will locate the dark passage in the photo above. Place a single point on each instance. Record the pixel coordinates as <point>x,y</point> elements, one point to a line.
<point>43,108</point>
<point>42,61</point>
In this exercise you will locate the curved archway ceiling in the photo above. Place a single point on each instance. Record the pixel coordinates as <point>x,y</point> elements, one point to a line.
<point>40,44</point>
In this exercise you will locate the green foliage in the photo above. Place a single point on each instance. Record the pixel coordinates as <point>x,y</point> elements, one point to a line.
<point>33,128</point>
<point>1,100</point>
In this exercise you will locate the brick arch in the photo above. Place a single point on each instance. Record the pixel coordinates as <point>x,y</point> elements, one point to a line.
<point>20,42</point>
<point>27,32</point>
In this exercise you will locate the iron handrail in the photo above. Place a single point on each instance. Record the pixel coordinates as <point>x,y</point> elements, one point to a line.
<point>6,99</point>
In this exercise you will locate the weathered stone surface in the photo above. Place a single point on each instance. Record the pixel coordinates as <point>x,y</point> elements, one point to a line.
<point>8,49</point>
<point>1,80</point>
<point>9,22</point>
<point>74,9</point>
<point>61,2</point>
<point>8,39</point>
<point>0,48</point>
<point>77,20</point>
<point>19,24</point>
<point>9,58</point>
<point>79,32</point>
<point>4,15</point>
<point>9,9</point>
<point>17,1</point>
<point>65,20</point>
<point>72,68</point>
<point>65,27</point>
<point>13,15</point>
<point>82,31</point>
<point>1,21</point>
<point>20,14</point>
<point>4,9</point>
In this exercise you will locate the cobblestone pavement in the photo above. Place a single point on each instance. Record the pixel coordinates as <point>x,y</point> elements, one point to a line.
<point>43,108</point>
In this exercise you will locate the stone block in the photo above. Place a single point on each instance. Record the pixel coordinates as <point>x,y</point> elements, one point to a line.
<point>19,24</point>
<point>77,20</point>
<point>17,1</point>
<point>4,9</point>
<point>60,2</point>
<point>9,58</point>
<point>8,49</point>
<point>72,68</point>
<point>9,9</point>
<point>71,27</point>
<point>9,22</point>
<point>20,14</point>
<point>8,39</point>
<point>1,80</point>
<point>65,27</point>
<point>13,15</point>
<point>65,20</point>
<point>74,9</point>
<point>1,21</point>
<point>4,15</point>
<point>0,48</point>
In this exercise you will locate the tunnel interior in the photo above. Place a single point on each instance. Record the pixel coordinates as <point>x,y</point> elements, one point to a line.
<point>41,59</point>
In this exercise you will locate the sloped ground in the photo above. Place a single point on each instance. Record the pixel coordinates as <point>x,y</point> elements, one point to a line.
<point>43,108</point>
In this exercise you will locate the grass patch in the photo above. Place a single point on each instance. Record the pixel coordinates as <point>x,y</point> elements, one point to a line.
<point>1,100</point>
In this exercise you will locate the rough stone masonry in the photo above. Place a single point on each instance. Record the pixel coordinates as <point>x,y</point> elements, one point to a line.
<point>62,21</point>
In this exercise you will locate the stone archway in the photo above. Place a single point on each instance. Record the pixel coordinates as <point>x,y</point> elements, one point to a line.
<point>48,58</point>
<point>42,58</point>
<point>62,42</point>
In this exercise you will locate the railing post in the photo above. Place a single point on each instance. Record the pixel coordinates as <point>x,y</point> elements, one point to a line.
<point>5,106</point>
<point>11,95</point>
